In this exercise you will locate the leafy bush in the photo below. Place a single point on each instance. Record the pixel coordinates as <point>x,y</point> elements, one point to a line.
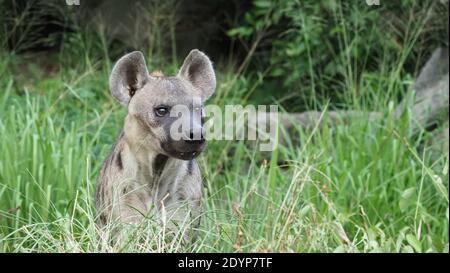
<point>312,45</point>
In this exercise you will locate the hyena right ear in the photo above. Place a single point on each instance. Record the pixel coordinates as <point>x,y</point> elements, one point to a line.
<point>198,70</point>
<point>128,75</point>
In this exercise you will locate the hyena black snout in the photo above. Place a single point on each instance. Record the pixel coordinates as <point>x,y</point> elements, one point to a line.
<point>195,133</point>
<point>196,136</point>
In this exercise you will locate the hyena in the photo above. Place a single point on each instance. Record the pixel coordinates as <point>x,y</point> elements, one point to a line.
<point>148,172</point>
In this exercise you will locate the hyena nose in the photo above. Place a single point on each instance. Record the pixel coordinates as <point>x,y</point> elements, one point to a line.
<point>196,136</point>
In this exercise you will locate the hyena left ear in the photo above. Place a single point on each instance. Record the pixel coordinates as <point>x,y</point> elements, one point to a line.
<point>198,70</point>
<point>128,75</point>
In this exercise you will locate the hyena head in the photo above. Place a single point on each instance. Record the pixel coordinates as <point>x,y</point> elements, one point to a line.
<point>165,114</point>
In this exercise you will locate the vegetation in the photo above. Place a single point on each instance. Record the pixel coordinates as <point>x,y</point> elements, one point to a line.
<point>358,187</point>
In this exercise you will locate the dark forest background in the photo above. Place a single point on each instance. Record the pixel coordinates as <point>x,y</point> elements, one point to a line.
<point>299,49</point>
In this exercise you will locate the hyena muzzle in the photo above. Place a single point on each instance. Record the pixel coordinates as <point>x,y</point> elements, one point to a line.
<point>149,172</point>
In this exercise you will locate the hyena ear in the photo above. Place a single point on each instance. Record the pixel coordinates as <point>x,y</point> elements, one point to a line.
<point>198,70</point>
<point>128,75</point>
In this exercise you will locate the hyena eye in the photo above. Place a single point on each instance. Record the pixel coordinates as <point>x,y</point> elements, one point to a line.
<point>161,111</point>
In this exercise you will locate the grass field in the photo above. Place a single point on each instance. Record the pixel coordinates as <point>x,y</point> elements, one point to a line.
<point>361,187</point>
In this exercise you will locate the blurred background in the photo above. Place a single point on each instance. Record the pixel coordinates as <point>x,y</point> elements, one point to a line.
<point>304,47</point>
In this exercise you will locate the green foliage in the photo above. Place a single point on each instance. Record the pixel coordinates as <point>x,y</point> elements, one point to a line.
<point>361,187</point>
<point>307,45</point>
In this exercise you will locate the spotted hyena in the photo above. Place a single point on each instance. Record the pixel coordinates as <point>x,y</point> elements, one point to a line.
<point>148,172</point>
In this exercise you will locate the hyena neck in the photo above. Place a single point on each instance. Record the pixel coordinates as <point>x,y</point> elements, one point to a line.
<point>158,164</point>
<point>146,162</point>
<point>148,165</point>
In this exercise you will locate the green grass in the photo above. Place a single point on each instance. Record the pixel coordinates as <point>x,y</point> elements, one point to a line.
<point>365,186</point>
<point>361,187</point>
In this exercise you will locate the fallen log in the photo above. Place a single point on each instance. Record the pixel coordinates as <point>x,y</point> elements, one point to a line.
<point>430,93</point>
